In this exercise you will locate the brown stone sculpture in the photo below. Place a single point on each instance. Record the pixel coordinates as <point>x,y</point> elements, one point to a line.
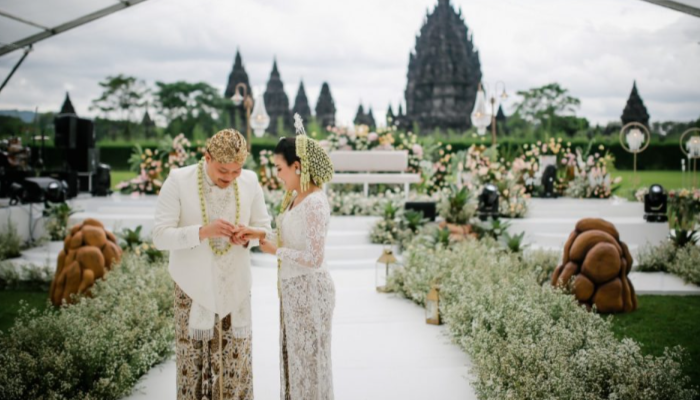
<point>597,263</point>
<point>89,252</point>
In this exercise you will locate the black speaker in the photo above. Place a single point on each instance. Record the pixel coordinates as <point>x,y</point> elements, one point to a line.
<point>82,159</point>
<point>73,132</point>
<point>428,208</point>
<point>102,181</point>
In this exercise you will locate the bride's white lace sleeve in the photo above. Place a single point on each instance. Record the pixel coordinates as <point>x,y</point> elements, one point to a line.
<point>271,236</point>
<point>315,217</point>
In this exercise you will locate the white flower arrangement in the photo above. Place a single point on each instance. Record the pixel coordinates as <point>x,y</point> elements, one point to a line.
<point>527,340</point>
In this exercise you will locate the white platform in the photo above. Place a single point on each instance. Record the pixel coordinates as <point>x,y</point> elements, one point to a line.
<point>382,347</point>
<point>662,283</point>
<point>550,221</point>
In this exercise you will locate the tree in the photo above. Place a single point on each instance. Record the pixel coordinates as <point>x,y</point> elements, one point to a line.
<point>186,104</point>
<point>544,105</point>
<point>124,95</point>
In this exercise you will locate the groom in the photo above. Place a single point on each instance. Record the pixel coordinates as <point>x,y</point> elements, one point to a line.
<point>200,210</point>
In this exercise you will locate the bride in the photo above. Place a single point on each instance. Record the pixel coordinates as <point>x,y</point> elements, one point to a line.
<point>306,290</point>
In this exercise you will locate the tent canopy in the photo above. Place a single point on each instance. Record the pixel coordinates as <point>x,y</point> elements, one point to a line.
<point>23,23</point>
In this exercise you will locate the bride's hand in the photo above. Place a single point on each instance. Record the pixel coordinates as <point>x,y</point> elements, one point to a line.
<point>248,233</point>
<point>268,247</point>
<point>243,234</point>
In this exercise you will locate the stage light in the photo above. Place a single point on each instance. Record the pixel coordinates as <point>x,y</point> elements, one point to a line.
<point>549,178</point>
<point>655,202</point>
<point>488,202</point>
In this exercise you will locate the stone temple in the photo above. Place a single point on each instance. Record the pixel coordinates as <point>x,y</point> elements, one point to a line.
<point>238,75</point>
<point>444,72</point>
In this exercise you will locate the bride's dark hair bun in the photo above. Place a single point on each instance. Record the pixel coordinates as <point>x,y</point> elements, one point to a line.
<point>287,148</point>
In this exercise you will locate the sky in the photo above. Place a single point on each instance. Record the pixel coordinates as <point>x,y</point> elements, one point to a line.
<point>593,48</point>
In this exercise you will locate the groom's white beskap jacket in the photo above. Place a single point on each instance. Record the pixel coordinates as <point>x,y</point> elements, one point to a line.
<point>176,229</point>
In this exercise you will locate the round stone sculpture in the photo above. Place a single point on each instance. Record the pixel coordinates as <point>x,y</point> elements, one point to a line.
<point>596,264</point>
<point>89,252</point>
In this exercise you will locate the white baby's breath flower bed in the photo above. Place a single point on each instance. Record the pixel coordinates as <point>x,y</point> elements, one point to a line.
<point>528,341</point>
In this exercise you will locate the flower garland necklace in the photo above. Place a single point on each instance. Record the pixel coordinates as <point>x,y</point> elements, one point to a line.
<point>202,203</point>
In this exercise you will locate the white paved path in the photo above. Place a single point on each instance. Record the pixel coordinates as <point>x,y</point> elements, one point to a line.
<point>382,348</point>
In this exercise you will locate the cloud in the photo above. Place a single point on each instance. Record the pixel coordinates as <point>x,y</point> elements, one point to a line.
<point>594,48</point>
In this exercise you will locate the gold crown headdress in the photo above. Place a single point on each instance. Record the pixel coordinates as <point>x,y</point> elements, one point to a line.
<point>228,146</point>
<point>316,166</point>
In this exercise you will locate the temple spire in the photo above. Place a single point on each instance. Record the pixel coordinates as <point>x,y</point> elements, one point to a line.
<point>635,110</point>
<point>67,107</point>
<point>277,102</point>
<point>301,103</point>
<point>238,75</point>
<point>325,107</point>
<point>443,72</point>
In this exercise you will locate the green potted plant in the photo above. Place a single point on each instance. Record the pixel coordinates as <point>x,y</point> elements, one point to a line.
<point>457,207</point>
<point>57,215</point>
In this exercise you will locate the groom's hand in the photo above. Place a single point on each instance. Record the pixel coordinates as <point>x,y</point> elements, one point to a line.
<point>218,228</point>
<point>239,236</point>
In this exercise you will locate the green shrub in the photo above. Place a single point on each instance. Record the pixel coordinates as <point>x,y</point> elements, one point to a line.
<point>97,348</point>
<point>10,242</point>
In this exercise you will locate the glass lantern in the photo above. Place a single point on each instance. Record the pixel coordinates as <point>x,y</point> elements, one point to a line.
<point>259,120</point>
<point>237,98</point>
<point>385,265</point>
<point>635,139</point>
<point>693,146</point>
<point>432,305</point>
<point>480,117</point>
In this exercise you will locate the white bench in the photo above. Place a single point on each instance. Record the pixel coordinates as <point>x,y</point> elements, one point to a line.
<point>373,167</point>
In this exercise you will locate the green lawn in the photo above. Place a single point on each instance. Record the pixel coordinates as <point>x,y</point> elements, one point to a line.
<point>667,179</point>
<point>119,176</point>
<point>9,304</point>
<point>665,321</point>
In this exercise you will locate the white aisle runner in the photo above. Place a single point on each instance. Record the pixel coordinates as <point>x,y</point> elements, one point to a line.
<point>382,348</point>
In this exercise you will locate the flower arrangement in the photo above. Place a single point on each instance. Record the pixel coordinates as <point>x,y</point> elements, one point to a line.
<point>669,257</point>
<point>154,166</point>
<point>267,172</point>
<point>562,157</point>
<point>177,153</point>
<point>131,241</point>
<point>684,215</point>
<point>435,169</point>
<point>150,167</point>
<point>592,177</point>
<point>514,198</point>
<point>483,166</point>
<point>409,142</point>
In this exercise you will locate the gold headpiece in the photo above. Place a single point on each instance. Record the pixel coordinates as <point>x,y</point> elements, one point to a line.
<point>228,146</point>
<point>316,166</point>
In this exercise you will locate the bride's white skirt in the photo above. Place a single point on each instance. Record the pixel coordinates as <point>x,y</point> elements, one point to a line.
<point>305,336</point>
